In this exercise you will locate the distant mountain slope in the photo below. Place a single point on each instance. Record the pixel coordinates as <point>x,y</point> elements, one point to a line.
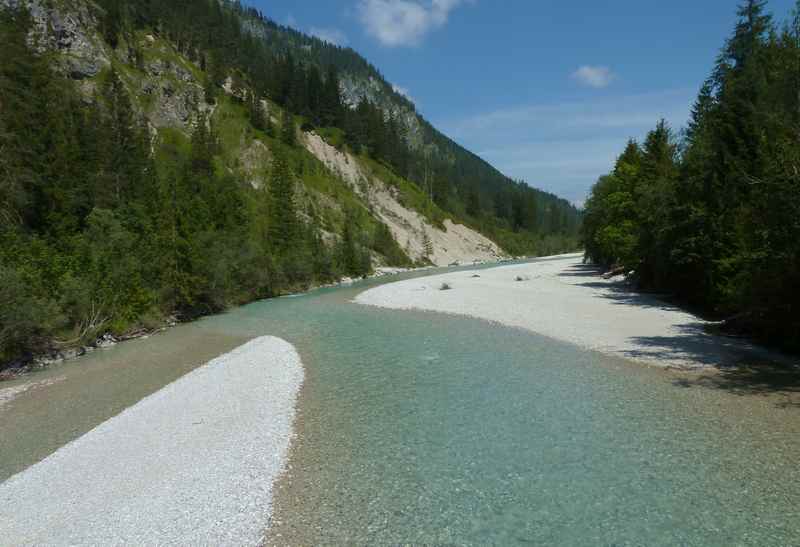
<point>463,173</point>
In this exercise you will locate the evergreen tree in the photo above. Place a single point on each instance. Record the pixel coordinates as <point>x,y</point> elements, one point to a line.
<point>330,99</point>
<point>126,151</point>
<point>314,95</point>
<point>112,22</point>
<point>283,219</point>
<point>473,203</point>
<point>23,83</point>
<point>256,113</point>
<point>288,129</point>
<point>427,244</point>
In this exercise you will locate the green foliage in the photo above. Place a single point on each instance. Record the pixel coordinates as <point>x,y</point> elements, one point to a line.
<point>26,321</point>
<point>717,224</point>
<point>333,136</point>
<point>288,129</point>
<point>256,114</point>
<point>283,223</point>
<point>353,256</point>
<point>383,242</point>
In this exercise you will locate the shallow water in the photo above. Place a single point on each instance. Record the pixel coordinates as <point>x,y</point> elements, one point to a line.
<point>423,428</point>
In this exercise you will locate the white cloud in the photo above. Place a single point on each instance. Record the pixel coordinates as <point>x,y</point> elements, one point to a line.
<point>563,147</point>
<point>404,22</point>
<point>332,35</point>
<point>630,112</point>
<point>597,77</point>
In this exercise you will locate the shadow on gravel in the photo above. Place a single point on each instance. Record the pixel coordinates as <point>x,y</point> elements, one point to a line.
<point>581,270</point>
<point>752,379</point>
<point>739,367</point>
<point>695,343</point>
<point>619,292</point>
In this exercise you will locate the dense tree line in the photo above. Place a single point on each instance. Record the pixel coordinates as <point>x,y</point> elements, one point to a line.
<point>714,217</point>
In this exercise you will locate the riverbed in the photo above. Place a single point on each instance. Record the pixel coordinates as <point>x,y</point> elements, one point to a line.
<point>419,427</point>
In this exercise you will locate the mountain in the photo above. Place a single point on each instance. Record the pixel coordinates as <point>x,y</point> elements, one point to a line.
<point>460,172</point>
<point>174,158</point>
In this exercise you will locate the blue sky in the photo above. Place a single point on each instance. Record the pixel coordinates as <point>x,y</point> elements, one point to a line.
<point>548,91</point>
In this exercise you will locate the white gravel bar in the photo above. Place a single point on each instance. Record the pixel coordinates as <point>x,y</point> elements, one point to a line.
<point>192,464</point>
<point>563,299</point>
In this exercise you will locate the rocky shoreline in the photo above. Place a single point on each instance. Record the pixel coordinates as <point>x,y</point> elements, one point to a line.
<point>54,356</point>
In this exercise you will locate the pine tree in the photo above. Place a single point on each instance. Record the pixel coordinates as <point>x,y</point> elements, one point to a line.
<point>204,147</point>
<point>112,22</point>
<point>288,129</point>
<point>314,95</point>
<point>330,100</point>
<point>127,150</point>
<point>427,244</point>
<point>751,30</point>
<point>256,113</point>
<point>209,90</point>
<point>21,72</point>
<point>286,77</point>
<point>473,203</point>
<point>283,217</point>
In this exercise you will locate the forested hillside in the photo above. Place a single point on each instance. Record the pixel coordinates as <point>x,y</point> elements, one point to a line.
<point>156,162</point>
<point>712,215</point>
<point>333,86</point>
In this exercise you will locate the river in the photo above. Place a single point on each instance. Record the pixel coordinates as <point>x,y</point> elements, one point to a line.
<point>419,427</point>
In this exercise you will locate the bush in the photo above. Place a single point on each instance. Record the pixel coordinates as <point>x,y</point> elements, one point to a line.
<point>26,321</point>
<point>384,243</point>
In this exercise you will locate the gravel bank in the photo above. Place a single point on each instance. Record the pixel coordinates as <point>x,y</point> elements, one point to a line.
<point>566,300</point>
<point>192,464</point>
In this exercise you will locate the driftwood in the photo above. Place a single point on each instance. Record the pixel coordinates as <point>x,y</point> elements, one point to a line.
<point>613,272</point>
<point>93,323</point>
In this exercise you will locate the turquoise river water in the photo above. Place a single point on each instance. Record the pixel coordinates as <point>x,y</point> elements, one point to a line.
<point>422,428</point>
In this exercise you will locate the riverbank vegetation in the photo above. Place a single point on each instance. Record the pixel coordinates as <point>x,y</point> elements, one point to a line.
<point>712,214</point>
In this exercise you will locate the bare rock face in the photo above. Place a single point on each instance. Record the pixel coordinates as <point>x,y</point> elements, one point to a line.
<point>174,106</point>
<point>252,160</point>
<point>414,233</point>
<point>354,89</point>
<point>173,96</point>
<point>70,32</point>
